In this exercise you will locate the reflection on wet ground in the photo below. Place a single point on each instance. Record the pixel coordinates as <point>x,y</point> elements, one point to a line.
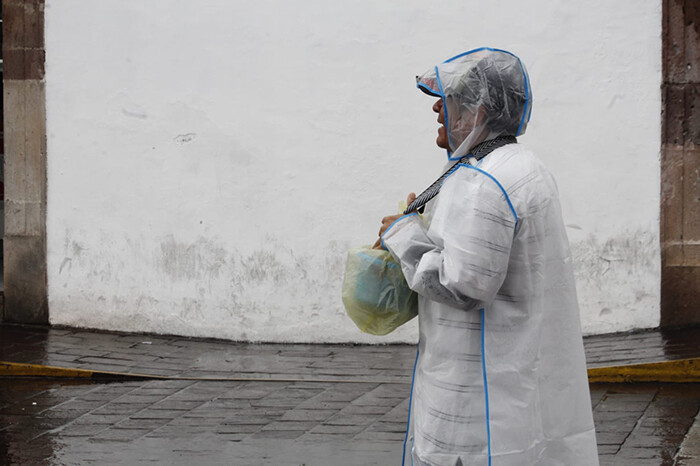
<point>354,413</point>
<point>171,355</point>
<point>24,431</point>
<point>656,345</point>
<point>181,356</point>
<point>255,423</point>
<point>643,424</point>
<point>183,422</point>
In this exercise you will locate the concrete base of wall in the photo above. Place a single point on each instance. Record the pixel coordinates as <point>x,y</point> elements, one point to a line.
<point>25,162</point>
<point>679,292</point>
<point>680,163</point>
<point>26,299</point>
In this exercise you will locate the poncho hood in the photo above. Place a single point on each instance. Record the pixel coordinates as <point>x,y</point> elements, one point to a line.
<point>486,93</point>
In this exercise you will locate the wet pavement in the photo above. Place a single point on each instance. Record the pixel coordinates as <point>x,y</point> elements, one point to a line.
<point>338,404</point>
<point>197,357</point>
<point>187,357</point>
<point>183,422</point>
<point>644,424</point>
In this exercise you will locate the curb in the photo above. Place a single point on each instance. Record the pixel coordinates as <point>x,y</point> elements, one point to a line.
<point>678,371</point>
<point>14,369</point>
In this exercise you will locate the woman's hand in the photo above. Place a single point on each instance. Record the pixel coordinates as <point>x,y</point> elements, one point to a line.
<point>387,221</point>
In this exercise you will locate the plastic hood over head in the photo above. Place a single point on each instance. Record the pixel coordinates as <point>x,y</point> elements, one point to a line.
<point>486,93</point>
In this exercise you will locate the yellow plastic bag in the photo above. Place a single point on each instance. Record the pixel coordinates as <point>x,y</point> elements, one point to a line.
<point>375,293</point>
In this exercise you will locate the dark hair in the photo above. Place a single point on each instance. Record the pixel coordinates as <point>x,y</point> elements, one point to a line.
<point>498,81</point>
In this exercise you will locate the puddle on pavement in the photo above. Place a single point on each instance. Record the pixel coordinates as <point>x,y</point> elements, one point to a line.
<point>21,402</point>
<point>35,412</point>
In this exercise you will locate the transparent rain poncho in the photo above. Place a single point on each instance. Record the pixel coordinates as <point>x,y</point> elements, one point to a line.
<point>500,378</point>
<point>486,94</point>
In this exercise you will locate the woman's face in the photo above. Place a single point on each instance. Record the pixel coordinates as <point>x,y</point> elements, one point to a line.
<point>442,139</point>
<point>463,122</point>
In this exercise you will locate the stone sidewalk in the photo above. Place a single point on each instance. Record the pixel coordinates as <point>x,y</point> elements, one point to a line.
<point>271,423</point>
<point>198,357</point>
<point>333,404</point>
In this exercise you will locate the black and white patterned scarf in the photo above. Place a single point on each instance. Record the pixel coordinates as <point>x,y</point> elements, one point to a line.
<point>479,152</point>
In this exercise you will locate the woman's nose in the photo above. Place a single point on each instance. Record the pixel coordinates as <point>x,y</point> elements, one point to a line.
<point>437,106</point>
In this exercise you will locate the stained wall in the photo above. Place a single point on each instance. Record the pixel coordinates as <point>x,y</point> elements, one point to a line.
<point>210,163</point>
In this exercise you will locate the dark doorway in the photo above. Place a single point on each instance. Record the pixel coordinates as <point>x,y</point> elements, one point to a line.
<point>24,170</point>
<point>680,164</point>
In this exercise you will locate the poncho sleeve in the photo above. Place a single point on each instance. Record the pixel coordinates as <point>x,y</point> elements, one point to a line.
<point>462,258</point>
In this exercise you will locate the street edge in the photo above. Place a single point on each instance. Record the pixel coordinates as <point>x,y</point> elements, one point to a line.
<point>14,369</point>
<point>676,371</point>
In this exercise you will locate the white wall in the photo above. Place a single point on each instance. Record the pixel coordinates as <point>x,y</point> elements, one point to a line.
<point>210,162</point>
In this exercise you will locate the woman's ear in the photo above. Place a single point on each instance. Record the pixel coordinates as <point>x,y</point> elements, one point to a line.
<point>481,116</point>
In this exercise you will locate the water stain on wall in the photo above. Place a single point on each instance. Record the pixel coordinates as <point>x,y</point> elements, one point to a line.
<point>194,261</point>
<point>141,115</point>
<point>618,277</point>
<point>191,310</point>
<point>200,286</point>
<point>638,251</point>
<point>66,262</point>
<point>72,250</point>
<point>185,138</point>
<point>263,265</point>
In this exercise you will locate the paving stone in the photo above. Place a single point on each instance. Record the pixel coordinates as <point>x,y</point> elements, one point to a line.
<point>321,405</point>
<point>387,427</point>
<point>367,409</point>
<point>687,411</point>
<point>201,421</point>
<point>81,430</point>
<point>612,438</point>
<point>249,393</point>
<point>617,417</point>
<point>177,432</point>
<point>640,452</point>
<point>162,392</point>
<point>156,414</point>
<point>276,401</point>
<point>607,449</point>
<point>39,422</point>
<point>133,398</point>
<point>338,429</point>
<point>103,396</point>
<point>25,408</point>
<point>103,361</point>
<point>60,413</point>
<point>81,352</point>
<point>266,412</point>
<point>99,419</point>
<point>177,405</point>
<point>249,419</point>
<point>119,435</point>
<point>278,434</point>
<point>308,414</point>
<point>338,395</point>
<point>291,425</point>
<point>280,422</point>
<point>230,437</point>
<point>659,441</point>
<point>618,461</point>
<point>175,384</point>
<point>139,423</point>
<point>121,408</point>
<point>239,428</point>
<point>690,447</point>
<point>381,436</point>
<point>342,419</point>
